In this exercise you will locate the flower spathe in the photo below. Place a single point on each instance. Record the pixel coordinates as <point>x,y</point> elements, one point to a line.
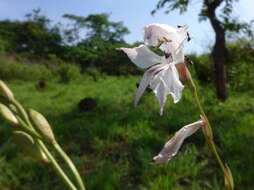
<point>161,75</point>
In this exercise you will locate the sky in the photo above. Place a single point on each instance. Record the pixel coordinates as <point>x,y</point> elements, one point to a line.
<point>135,14</point>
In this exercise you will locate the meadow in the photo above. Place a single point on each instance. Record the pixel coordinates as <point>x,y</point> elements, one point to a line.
<point>113,144</point>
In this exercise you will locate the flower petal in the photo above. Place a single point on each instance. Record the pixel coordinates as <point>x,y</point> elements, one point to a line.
<point>159,88</point>
<point>171,148</point>
<point>173,83</point>
<point>142,56</point>
<point>167,82</point>
<point>145,81</point>
<point>155,32</point>
<point>175,37</point>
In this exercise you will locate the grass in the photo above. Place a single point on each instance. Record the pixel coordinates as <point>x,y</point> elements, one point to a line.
<point>113,145</point>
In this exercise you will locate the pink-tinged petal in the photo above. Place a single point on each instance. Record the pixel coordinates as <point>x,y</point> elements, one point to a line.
<point>145,81</point>
<point>172,147</point>
<point>156,32</point>
<point>142,56</point>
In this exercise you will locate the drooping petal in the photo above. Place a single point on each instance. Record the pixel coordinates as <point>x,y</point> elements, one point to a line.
<point>145,81</point>
<point>167,82</point>
<point>174,85</point>
<point>160,90</point>
<point>142,56</point>
<point>172,147</point>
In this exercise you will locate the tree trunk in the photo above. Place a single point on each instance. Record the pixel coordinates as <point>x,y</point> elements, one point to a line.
<point>219,59</point>
<point>219,52</point>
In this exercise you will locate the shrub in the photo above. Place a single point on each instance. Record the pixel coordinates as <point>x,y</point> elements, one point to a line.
<point>11,69</point>
<point>67,72</point>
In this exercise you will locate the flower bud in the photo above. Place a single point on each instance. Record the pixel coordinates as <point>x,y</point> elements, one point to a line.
<point>8,115</point>
<point>27,144</point>
<point>41,125</point>
<point>5,91</point>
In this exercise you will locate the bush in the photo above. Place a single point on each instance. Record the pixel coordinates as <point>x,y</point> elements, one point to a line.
<point>11,69</point>
<point>67,72</point>
<point>240,66</point>
<point>203,67</point>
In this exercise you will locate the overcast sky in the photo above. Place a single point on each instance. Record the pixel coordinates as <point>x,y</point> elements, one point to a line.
<point>134,13</point>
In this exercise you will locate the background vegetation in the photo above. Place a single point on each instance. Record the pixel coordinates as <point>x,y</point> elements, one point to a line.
<point>113,144</point>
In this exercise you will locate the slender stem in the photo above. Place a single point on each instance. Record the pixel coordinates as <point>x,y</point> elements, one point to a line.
<point>28,129</point>
<point>70,164</point>
<point>58,169</point>
<point>209,136</point>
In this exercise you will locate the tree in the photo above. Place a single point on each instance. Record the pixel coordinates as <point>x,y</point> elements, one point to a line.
<point>94,39</point>
<point>34,35</point>
<point>221,24</point>
<point>97,27</point>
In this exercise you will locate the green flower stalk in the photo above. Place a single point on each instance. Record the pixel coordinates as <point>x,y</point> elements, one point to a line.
<point>35,134</point>
<point>208,133</point>
<point>27,144</point>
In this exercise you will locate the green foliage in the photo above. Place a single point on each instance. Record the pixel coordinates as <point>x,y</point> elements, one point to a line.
<point>33,35</point>
<point>203,68</point>
<point>98,27</point>
<point>68,72</point>
<point>20,68</point>
<point>90,41</point>
<point>11,69</point>
<point>240,67</point>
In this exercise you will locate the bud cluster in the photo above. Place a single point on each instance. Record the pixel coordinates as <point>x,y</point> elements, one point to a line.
<point>31,132</point>
<point>27,127</point>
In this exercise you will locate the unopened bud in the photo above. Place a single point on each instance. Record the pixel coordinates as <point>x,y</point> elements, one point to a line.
<point>27,144</point>
<point>41,125</point>
<point>5,91</point>
<point>8,115</point>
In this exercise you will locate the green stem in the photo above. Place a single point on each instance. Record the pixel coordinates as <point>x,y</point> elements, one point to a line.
<point>22,111</point>
<point>70,164</point>
<point>58,169</point>
<point>209,136</point>
<point>28,129</point>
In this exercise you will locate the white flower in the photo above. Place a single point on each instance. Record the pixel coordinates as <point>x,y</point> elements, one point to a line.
<point>161,75</point>
<point>171,147</point>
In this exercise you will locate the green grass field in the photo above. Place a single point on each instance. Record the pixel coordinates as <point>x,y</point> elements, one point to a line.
<point>113,145</point>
